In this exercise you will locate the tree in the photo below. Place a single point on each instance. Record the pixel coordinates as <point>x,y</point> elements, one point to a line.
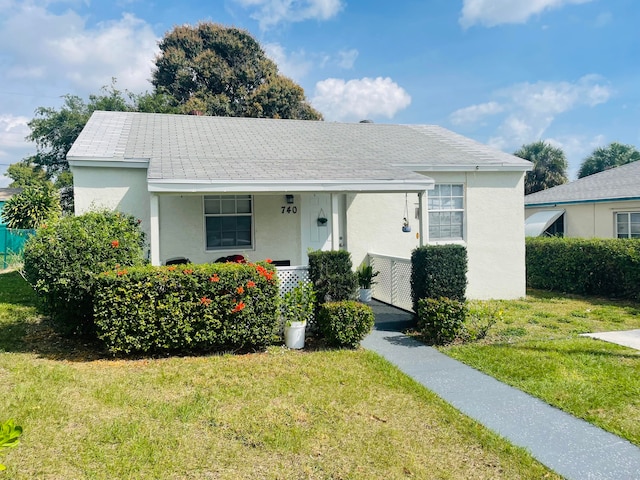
<point>224,71</point>
<point>549,166</point>
<point>604,158</point>
<point>25,173</point>
<point>32,207</point>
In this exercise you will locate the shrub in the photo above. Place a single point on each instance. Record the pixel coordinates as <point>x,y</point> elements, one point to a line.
<point>61,259</point>
<point>9,436</point>
<point>604,267</point>
<point>298,305</point>
<point>440,320</point>
<point>332,275</point>
<point>345,323</point>
<point>480,317</point>
<point>31,207</point>
<point>187,308</point>
<point>438,271</point>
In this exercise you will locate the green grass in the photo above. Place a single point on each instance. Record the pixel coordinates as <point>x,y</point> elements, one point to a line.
<point>536,348</point>
<point>275,414</point>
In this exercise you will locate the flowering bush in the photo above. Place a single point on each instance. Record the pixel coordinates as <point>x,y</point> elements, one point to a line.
<point>61,259</point>
<point>198,308</point>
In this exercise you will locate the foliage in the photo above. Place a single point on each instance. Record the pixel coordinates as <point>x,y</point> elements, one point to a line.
<point>9,436</point>
<point>611,156</point>
<point>187,308</point>
<point>440,320</point>
<point>31,207</point>
<point>332,275</point>
<point>480,318</point>
<point>298,305</point>
<point>25,173</point>
<point>603,267</point>
<point>366,276</point>
<point>61,259</point>
<point>224,71</point>
<point>549,166</point>
<point>345,323</point>
<point>438,271</point>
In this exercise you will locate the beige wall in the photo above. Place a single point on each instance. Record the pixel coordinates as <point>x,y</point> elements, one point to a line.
<point>122,189</point>
<point>589,220</point>
<point>494,229</point>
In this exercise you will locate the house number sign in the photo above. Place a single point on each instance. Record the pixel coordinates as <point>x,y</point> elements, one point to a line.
<point>290,209</point>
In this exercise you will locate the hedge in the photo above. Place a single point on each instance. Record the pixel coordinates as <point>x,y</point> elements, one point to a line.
<point>345,323</point>
<point>440,320</point>
<point>438,271</point>
<point>187,308</point>
<point>332,275</point>
<point>603,267</point>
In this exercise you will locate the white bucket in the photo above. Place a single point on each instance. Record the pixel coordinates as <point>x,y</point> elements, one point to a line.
<point>294,335</point>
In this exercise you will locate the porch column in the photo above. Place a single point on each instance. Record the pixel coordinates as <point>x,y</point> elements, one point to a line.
<point>421,226</point>
<point>154,232</point>
<point>335,222</point>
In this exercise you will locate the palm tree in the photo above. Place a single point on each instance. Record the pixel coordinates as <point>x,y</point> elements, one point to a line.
<point>604,158</point>
<point>549,166</point>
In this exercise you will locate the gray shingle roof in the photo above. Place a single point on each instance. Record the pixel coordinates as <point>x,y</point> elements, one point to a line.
<point>209,149</point>
<point>7,193</point>
<point>616,184</point>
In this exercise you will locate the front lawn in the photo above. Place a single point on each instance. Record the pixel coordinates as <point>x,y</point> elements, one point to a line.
<point>277,414</point>
<point>536,348</point>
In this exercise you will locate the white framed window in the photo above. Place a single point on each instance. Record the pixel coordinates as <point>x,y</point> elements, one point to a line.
<point>446,212</point>
<point>228,221</point>
<point>628,224</point>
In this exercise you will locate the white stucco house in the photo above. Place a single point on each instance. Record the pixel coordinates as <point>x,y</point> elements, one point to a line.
<point>206,187</point>
<point>602,205</point>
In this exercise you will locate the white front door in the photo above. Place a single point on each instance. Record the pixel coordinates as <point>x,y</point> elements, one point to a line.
<point>316,234</point>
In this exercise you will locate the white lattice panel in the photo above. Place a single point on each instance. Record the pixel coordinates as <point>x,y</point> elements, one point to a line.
<point>394,280</point>
<point>290,276</point>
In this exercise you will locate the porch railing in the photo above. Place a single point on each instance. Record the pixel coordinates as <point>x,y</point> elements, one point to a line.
<point>393,283</point>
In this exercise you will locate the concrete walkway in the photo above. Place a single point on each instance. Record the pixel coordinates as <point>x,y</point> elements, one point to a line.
<point>627,338</point>
<point>571,447</point>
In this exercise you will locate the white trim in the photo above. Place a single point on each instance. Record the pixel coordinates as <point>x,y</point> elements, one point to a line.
<point>335,223</point>
<point>154,231</point>
<point>497,167</point>
<point>109,163</point>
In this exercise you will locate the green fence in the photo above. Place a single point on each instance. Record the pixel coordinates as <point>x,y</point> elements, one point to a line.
<point>11,243</point>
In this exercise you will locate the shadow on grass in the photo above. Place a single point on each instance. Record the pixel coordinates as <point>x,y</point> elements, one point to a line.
<point>630,306</point>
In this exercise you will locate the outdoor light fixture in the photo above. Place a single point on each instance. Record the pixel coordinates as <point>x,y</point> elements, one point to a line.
<point>289,199</point>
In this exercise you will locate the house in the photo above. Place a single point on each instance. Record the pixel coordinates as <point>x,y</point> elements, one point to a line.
<point>602,205</point>
<point>207,187</point>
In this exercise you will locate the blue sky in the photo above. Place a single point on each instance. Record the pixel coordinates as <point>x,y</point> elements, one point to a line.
<point>503,72</point>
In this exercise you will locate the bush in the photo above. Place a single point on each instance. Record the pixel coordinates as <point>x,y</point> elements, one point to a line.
<point>298,305</point>
<point>332,275</point>
<point>61,259</point>
<point>31,207</point>
<point>603,267</point>
<point>345,323</point>
<point>187,308</point>
<point>440,320</point>
<point>438,271</point>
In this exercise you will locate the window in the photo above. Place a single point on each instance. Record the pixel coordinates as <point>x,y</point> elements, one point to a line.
<point>228,221</point>
<point>628,225</point>
<point>446,212</point>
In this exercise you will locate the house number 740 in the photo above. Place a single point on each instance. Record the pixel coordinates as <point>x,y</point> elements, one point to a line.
<point>289,209</point>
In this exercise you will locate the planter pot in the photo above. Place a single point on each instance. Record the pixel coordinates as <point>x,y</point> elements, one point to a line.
<point>365,295</point>
<point>406,228</point>
<point>294,335</point>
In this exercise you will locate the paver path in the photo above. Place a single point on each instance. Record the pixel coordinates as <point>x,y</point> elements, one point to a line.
<point>572,447</point>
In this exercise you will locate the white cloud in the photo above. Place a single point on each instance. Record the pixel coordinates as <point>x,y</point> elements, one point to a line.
<point>66,49</point>
<point>4,181</point>
<point>294,65</point>
<point>359,99</point>
<point>272,12</point>
<point>576,149</point>
<point>347,58</point>
<point>475,113</point>
<point>13,129</point>
<point>495,12</point>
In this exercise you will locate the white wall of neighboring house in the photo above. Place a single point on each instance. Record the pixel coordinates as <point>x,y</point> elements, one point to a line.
<point>590,220</point>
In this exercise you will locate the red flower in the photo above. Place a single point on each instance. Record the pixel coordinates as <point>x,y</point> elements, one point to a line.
<point>122,272</point>
<point>240,290</point>
<point>239,306</point>
<point>205,301</point>
<point>115,243</point>
<point>268,260</point>
<point>251,284</point>
<point>215,278</point>
<point>187,271</point>
<point>171,268</point>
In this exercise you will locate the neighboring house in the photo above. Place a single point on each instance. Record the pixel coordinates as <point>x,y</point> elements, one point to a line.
<point>603,205</point>
<point>207,187</point>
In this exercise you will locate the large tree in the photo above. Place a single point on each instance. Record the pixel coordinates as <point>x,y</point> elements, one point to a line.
<point>549,166</point>
<point>611,156</point>
<point>224,71</point>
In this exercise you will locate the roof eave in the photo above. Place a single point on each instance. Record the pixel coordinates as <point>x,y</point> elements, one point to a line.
<point>577,202</point>
<point>466,168</point>
<point>108,162</point>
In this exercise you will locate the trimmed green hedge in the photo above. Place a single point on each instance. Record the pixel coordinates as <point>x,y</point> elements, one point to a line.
<point>332,275</point>
<point>440,320</point>
<point>438,271</point>
<point>187,308</point>
<point>345,323</point>
<point>603,267</point>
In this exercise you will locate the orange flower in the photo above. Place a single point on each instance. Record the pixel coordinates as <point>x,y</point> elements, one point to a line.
<point>240,290</point>
<point>239,306</point>
<point>122,272</point>
<point>215,278</point>
<point>268,260</point>
<point>205,301</point>
<point>187,271</point>
<point>115,243</point>
<point>251,284</point>
<point>171,268</point>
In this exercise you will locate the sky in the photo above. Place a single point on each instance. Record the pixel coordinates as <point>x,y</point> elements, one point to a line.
<point>503,72</point>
